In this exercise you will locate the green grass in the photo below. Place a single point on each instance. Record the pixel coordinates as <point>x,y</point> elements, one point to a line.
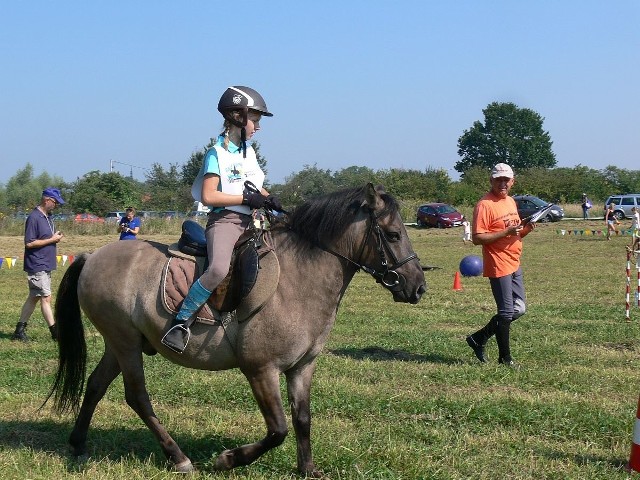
<point>397,393</point>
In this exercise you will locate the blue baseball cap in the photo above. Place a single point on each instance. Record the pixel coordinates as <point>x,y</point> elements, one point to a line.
<point>53,193</point>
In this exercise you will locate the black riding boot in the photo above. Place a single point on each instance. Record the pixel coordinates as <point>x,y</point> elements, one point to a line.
<point>20,333</point>
<point>478,340</point>
<point>502,338</point>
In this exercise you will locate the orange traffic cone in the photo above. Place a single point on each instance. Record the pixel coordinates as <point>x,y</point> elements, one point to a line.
<point>457,286</point>
<point>634,459</point>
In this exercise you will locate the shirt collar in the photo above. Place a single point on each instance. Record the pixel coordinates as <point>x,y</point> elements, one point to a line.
<point>233,148</point>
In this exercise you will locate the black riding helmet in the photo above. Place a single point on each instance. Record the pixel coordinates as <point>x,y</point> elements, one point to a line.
<point>241,99</point>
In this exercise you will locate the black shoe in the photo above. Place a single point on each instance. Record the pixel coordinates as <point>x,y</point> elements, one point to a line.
<point>20,333</point>
<point>509,363</point>
<point>477,349</point>
<point>177,337</point>
<point>53,329</point>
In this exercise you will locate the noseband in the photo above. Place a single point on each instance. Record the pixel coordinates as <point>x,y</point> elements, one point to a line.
<point>389,277</point>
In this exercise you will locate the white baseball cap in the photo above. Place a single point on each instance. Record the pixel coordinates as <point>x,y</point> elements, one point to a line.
<point>502,170</point>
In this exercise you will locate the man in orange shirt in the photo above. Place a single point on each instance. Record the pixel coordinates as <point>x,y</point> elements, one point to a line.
<point>497,227</point>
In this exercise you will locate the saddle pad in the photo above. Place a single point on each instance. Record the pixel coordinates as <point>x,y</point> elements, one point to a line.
<point>178,275</point>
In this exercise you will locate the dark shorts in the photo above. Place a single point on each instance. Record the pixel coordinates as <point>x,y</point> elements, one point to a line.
<point>39,284</point>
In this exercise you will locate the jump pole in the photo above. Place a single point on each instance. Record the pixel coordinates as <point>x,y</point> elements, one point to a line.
<point>627,317</point>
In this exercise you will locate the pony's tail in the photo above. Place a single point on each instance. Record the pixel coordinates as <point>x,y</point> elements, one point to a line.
<point>72,348</point>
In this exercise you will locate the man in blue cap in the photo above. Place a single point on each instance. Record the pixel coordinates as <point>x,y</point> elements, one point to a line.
<point>40,244</point>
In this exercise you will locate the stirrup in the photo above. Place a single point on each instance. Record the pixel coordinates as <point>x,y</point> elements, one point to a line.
<point>185,335</point>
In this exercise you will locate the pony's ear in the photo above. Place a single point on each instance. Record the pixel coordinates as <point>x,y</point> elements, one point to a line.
<point>373,200</point>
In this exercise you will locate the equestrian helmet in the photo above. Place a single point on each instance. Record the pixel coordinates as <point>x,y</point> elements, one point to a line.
<point>242,99</point>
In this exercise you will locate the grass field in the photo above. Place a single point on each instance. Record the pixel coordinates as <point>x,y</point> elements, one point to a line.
<point>397,393</point>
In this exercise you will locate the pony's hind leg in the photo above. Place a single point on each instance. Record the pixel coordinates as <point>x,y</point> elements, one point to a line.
<point>137,398</point>
<point>266,390</point>
<point>104,373</point>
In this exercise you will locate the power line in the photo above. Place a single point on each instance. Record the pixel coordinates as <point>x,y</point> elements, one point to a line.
<point>111,162</point>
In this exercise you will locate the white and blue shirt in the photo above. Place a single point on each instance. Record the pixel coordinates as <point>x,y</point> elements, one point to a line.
<point>232,168</point>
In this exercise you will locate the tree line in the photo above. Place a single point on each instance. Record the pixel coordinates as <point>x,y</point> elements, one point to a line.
<point>508,134</point>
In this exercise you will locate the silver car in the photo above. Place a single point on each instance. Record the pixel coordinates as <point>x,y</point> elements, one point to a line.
<point>624,203</point>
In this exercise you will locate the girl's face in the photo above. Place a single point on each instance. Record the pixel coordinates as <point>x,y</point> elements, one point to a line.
<point>253,123</point>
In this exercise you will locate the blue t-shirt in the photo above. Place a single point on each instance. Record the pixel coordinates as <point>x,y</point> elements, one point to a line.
<point>133,223</point>
<point>39,227</point>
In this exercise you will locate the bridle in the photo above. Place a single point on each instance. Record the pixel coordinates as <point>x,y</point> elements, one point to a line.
<point>389,277</point>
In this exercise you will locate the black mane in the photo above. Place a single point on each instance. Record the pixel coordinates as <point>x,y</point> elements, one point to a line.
<point>326,217</point>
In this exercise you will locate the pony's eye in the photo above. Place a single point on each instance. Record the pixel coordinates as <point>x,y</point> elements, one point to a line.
<point>392,236</point>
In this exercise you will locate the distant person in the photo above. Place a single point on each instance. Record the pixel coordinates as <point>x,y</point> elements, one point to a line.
<point>498,228</point>
<point>586,206</point>
<point>635,228</point>
<point>40,249</point>
<point>611,220</point>
<point>221,184</point>
<point>129,225</point>
<point>466,236</point>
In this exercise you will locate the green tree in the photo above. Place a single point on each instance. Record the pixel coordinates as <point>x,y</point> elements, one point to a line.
<point>23,191</point>
<point>165,189</point>
<point>429,186</point>
<point>621,180</point>
<point>262,161</point>
<point>99,193</point>
<point>190,169</point>
<point>509,134</point>
<point>309,182</point>
<point>355,177</point>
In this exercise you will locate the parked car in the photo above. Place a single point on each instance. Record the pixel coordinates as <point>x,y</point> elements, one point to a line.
<point>87,218</point>
<point>113,217</point>
<point>439,215</point>
<point>530,204</point>
<point>147,214</point>
<point>172,214</point>
<point>197,214</point>
<point>624,204</point>
<point>61,217</point>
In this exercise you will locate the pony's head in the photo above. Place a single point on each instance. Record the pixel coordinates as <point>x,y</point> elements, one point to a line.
<point>363,227</point>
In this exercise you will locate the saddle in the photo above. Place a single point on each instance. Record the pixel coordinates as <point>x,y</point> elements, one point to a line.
<point>252,279</point>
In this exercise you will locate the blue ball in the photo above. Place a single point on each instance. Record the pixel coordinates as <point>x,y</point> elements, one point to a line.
<point>471,266</point>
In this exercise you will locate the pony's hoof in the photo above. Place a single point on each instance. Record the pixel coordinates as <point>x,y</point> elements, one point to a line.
<point>315,474</point>
<point>184,467</point>
<point>224,461</point>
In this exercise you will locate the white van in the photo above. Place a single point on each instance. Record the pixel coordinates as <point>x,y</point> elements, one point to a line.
<point>199,210</point>
<point>113,217</point>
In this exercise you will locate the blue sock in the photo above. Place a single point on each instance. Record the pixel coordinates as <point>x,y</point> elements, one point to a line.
<point>197,296</point>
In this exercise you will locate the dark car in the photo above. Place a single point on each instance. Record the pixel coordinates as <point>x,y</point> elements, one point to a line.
<point>530,204</point>
<point>439,215</point>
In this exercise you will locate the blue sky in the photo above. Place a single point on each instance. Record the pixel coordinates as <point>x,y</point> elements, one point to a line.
<point>369,83</point>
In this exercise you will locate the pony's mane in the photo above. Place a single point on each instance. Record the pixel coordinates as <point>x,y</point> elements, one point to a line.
<point>326,217</point>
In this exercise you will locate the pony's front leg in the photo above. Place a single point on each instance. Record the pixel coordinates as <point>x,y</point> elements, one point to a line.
<point>299,392</point>
<point>266,390</point>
